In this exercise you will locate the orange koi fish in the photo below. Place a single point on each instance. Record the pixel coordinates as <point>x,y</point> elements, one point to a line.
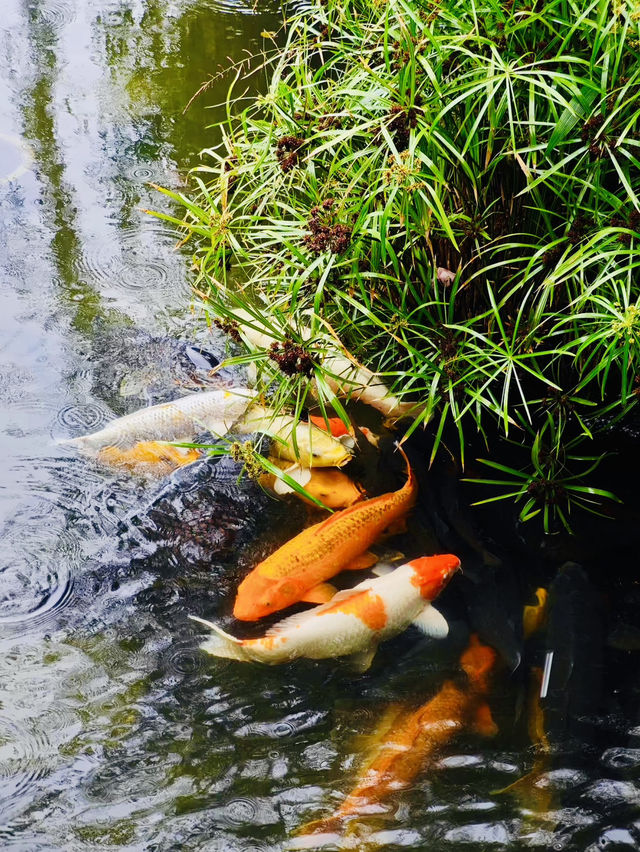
<point>536,799</point>
<point>152,458</point>
<point>354,622</point>
<point>328,484</point>
<point>409,741</point>
<point>298,570</point>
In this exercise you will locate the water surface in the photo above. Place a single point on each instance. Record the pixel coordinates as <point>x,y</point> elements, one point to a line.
<point>115,731</point>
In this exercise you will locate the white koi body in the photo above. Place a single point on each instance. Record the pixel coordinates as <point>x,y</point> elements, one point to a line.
<point>353,622</point>
<point>344,376</point>
<point>213,411</point>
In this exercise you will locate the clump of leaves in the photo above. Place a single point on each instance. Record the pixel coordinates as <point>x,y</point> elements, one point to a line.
<point>552,486</point>
<point>480,243</point>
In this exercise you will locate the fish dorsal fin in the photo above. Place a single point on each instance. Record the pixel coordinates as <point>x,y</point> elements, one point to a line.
<point>300,618</point>
<point>347,594</point>
<point>291,622</point>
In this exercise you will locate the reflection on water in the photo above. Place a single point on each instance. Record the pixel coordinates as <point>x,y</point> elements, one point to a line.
<point>15,157</point>
<point>116,732</point>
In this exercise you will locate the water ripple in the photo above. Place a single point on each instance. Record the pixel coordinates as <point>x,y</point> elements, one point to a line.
<point>20,764</point>
<point>87,417</point>
<point>35,577</point>
<point>247,811</point>
<point>53,13</point>
<point>289,726</point>
<point>135,264</point>
<point>29,750</point>
<point>184,659</point>
<point>625,759</point>
<point>143,173</point>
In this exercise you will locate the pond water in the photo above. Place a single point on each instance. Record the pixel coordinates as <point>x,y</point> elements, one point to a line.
<point>116,731</point>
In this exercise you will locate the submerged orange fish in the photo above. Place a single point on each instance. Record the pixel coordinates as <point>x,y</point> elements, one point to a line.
<point>298,570</point>
<point>409,741</point>
<point>535,798</point>
<point>327,484</point>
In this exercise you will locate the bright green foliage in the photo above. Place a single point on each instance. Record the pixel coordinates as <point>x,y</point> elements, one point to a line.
<point>453,187</point>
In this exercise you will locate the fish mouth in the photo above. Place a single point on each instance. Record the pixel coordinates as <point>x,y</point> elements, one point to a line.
<point>245,614</point>
<point>251,612</point>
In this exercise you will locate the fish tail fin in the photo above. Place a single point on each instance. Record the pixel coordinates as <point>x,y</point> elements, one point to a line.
<point>70,442</point>
<point>411,484</point>
<point>221,644</point>
<point>530,794</point>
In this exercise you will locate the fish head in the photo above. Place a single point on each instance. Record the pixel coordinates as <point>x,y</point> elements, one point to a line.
<point>478,660</point>
<point>432,573</point>
<point>259,596</point>
<point>315,448</point>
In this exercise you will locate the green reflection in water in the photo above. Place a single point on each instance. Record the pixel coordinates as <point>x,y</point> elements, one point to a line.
<point>163,61</point>
<point>39,122</point>
<point>156,63</point>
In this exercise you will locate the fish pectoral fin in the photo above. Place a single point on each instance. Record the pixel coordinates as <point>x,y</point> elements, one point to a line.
<point>361,661</point>
<point>432,623</point>
<point>483,723</point>
<point>322,593</point>
<point>329,828</point>
<point>299,474</point>
<point>382,569</point>
<point>396,527</point>
<point>362,562</point>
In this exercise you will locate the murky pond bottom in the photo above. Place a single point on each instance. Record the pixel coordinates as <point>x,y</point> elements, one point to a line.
<point>116,731</point>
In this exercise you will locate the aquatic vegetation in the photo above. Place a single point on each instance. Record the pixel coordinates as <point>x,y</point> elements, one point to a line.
<point>453,190</point>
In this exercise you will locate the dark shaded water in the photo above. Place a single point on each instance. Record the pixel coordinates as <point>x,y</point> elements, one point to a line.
<point>115,731</point>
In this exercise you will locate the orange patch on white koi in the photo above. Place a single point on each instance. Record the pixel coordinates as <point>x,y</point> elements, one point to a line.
<point>366,606</point>
<point>148,456</point>
<point>333,425</point>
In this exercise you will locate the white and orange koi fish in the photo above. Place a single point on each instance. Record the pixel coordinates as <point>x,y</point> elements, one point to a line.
<point>353,622</point>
